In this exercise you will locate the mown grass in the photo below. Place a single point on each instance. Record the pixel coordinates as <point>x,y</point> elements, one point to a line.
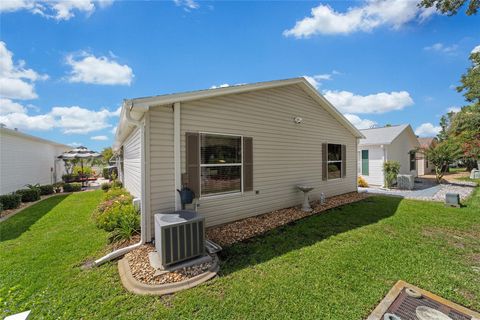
<point>336,265</point>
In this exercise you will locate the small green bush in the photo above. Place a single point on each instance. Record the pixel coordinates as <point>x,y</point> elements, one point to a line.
<point>72,187</point>
<point>29,195</point>
<point>115,193</point>
<point>10,201</point>
<point>70,178</point>
<point>118,215</point>
<point>117,184</point>
<point>87,171</point>
<point>390,171</point>
<point>127,225</point>
<point>106,173</point>
<point>106,186</point>
<point>46,189</point>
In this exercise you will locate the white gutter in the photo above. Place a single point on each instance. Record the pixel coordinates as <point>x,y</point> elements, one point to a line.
<point>143,227</point>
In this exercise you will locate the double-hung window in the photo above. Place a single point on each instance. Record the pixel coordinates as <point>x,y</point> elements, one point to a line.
<point>334,161</point>
<point>413,161</point>
<point>221,164</point>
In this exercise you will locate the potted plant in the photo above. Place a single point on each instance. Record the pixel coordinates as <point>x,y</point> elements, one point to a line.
<point>58,187</point>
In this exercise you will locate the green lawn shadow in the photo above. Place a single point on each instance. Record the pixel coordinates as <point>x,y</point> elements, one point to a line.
<point>306,232</point>
<point>22,221</point>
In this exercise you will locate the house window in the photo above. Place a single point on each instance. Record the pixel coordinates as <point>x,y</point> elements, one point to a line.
<point>220,164</point>
<point>413,161</point>
<point>334,161</point>
<point>365,167</point>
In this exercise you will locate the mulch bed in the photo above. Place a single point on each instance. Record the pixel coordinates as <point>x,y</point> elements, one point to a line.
<point>143,271</point>
<point>237,231</point>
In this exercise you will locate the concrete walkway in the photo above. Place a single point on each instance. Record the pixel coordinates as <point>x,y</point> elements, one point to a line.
<point>423,193</point>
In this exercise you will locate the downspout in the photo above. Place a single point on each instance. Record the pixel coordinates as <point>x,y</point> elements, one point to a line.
<point>120,252</point>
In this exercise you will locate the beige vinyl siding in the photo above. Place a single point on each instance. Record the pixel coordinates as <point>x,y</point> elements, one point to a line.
<point>284,153</point>
<point>162,175</point>
<point>132,163</point>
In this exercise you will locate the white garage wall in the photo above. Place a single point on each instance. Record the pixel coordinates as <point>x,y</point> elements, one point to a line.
<point>26,159</point>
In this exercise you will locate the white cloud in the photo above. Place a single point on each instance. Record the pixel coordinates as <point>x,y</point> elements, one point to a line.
<point>24,121</point>
<point>349,102</point>
<point>74,144</point>
<point>316,80</point>
<point>54,9</point>
<point>99,138</point>
<point>358,122</point>
<point>114,130</point>
<point>16,82</point>
<point>70,120</point>
<point>427,130</point>
<point>8,106</point>
<point>372,14</point>
<point>454,109</point>
<point>440,47</point>
<point>187,4</point>
<point>102,70</point>
<point>476,49</point>
<point>220,86</point>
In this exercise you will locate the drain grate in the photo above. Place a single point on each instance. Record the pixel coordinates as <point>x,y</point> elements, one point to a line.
<point>405,307</point>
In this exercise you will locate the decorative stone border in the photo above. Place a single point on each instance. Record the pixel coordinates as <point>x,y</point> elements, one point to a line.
<point>137,287</point>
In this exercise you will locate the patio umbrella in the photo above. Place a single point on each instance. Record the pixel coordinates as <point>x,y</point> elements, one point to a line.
<point>81,153</point>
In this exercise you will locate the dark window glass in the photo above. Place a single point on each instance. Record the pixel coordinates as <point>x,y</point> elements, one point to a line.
<point>220,149</point>
<point>413,161</point>
<point>334,152</point>
<point>334,170</point>
<point>334,162</point>
<point>222,179</point>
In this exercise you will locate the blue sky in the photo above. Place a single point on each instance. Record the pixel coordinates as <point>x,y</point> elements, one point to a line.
<point>65,67</point>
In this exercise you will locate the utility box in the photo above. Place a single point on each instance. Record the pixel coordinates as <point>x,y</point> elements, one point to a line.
<point>405,181</point>
<point>179,236</point>
<point>452,200</point>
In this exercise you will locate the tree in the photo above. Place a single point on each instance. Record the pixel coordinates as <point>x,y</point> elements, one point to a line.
<point>441,155</point>
<point>390,171</point>
<point>450,7</point>
<point>107,154</point>
<point>471,80</point>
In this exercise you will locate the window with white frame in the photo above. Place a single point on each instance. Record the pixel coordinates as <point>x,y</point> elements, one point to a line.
<point>220,164</point>
<point>334,161</point>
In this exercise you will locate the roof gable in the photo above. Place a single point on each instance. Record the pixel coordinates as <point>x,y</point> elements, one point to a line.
<point>384,135</point>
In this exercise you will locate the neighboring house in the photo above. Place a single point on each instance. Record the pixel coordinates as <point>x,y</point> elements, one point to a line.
<point>26,159</point>
<point>424,166</point>
<point>242,149</point>
<point>396,143</point>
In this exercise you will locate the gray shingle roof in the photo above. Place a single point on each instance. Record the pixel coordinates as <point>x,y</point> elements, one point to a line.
<point>384,135</point>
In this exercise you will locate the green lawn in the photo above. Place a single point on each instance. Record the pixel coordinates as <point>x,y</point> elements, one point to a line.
<point>337,265</point>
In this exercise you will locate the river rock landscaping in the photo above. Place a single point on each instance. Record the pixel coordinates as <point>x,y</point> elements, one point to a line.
<point>237,231</point>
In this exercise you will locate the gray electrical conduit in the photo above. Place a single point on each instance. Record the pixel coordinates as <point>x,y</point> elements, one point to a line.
<point>120,252</point>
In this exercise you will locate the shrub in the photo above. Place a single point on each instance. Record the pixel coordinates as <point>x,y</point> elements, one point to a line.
<point>72,187</point>
<point>10,201</point>
<point>361,182</point>
<point>116,216</point>
<point>106,173</point>
<point>117,193</point>
<point>29,195</point>
<point>46,189</point>
<point>106,186</point>
<point>87,171</point>
<point>390,171</point>
<point>117,184</point>
<point>70,177</point>
<point>127,226</point>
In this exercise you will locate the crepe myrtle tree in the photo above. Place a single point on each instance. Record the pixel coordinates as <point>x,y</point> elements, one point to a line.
<point>441,155</point>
